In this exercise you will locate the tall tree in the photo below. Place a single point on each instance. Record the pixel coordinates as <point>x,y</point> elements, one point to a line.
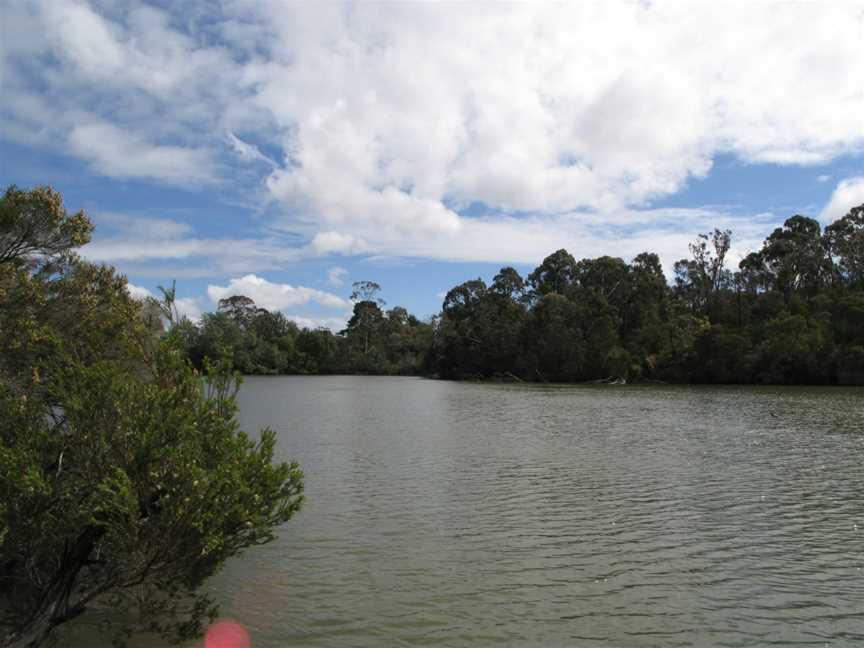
<point>240,308</point>
<point>796,256</point>
<point>555,274</point>
<point>844,239</point>
<point>701,277</point>
<point>367,312</point>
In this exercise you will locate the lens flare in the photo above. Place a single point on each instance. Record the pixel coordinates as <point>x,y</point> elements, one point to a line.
<point>227,634</point>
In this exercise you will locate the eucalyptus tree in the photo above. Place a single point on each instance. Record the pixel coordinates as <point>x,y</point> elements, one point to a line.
<point>555,274</point>
<point>844,239</point>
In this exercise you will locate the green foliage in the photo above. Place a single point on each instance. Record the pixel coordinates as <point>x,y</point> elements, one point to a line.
<point>34,224</point>
<point>124,481</point>
<point>260,342</point>
<point>793,313</point>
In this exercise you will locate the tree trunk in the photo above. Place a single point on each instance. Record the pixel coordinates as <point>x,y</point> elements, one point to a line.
<point>54,609</point>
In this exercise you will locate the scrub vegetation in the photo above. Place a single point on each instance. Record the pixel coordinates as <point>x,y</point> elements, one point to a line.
<point>124,479</point>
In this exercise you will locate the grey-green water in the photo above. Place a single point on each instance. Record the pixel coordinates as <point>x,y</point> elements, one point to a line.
<point>453,514</point>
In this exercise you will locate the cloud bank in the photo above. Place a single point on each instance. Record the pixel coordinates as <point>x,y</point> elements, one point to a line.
<point>376,128</point>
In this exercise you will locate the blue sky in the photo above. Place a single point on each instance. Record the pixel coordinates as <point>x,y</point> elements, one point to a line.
<point>285,150</point>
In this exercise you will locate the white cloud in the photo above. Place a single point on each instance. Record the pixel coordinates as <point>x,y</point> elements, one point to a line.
<point>334,324</point>
<point>275,296</point>
<point>138,292</point>
<point>392,118</point>
<point>143,227</point>
<point>247,151</point>
<point>849,193</point>
<point>150,242</point>
<point>544,107</point>
<point>191,307</point>
<point>823,178</point>
<point>123,238</point>
<point>116,152</point>
<point>599,106</point>
<point>337,242</point>
<point>335,274</point>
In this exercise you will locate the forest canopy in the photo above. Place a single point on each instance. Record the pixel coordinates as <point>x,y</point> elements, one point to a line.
<point>789,313</point>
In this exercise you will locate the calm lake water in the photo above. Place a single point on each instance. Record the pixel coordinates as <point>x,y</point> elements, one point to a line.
<point>454,514</point>
<point>458,514</point>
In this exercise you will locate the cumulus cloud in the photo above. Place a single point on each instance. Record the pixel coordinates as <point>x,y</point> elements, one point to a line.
<point>380,125</point>
<point>138,292</point>
<point>336,242</point>
<point>542,108</point>
<point>849,193</point>
<point>191,307</point>
<point>275,296</point>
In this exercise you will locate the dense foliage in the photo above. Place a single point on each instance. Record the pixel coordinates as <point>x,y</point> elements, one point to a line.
<point>260,342</point>
<point>792,312</point>
<point>124,481</point>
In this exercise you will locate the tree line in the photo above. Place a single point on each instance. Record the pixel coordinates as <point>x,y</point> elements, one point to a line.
<point>790,313</point>
<point>258,341</point>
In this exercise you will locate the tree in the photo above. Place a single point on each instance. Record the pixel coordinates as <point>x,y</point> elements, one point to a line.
<point>704,275</point>
<point>555,340</point>
<point>168,304</point>
<point>606,276</point>
<point>647,296</point>
<point>796,257</point>
<point>461,345</point>
<point>508,283</point>
<point>556,274</point>
<point>33,225</point>
<point>755,276</point>
<point>239,308</point>
<point>366,291</point>
<point>367,311</point>
<point>121,481</point>
<point>844,239</point>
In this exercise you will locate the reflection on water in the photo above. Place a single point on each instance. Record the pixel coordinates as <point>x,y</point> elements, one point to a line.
<point>447,514</point>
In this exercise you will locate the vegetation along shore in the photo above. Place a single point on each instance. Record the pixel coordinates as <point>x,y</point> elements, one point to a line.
<point>790,313</point>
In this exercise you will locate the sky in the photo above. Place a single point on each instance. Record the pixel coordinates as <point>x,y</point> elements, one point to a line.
<point>284,150</point>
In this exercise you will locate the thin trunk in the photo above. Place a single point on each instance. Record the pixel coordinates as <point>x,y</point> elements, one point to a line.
<point>54,609</point>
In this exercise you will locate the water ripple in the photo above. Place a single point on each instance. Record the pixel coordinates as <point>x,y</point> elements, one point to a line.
<point>444,514</point>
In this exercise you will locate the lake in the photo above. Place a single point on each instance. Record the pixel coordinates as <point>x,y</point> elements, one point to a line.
<point>460,514</point>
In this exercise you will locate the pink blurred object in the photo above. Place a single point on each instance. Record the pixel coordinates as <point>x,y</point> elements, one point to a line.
<point>227,634</point>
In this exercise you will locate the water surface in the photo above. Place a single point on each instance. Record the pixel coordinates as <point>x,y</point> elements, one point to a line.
<point>454,514</point>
